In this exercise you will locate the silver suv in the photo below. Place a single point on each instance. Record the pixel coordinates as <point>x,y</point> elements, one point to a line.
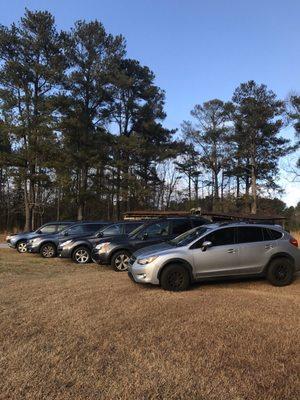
<point>218,250</point>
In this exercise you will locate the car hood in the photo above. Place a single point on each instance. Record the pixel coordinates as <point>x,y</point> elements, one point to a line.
<point>25,235</point>
<point>161,248</point>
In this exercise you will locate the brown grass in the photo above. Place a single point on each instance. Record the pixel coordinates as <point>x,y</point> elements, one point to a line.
<point>69,332</point>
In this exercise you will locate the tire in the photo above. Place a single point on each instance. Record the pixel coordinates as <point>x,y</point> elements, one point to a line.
<point>280,272</point>
<point>21,246</point>
<point>81,255</point>
<point>48,250</point>
<point>175,278</point>
<point>119,260</point>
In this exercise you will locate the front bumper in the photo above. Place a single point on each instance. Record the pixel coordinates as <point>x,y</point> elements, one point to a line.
<point>144,273</point>
<point>10,244</point>
<point>64,252</point>
<point>33,248</point>
<point>100,258</point>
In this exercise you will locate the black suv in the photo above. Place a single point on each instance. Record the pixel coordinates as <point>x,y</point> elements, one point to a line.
<point>79,248</point>
<point>117,251</point>
<point>19,240</point>
<point>46,245</point>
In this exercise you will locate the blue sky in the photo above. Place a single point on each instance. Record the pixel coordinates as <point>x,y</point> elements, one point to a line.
<point>198,50</point>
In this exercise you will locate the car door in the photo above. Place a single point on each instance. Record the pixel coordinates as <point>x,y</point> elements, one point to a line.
<point>154,233</point>
<point>221,258</point>
<point>255,249</point>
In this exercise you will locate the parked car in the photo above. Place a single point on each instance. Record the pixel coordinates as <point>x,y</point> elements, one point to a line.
<point>218,250</point>
<point>19,240</point>
<point>46,245</point>
<point>118,251</point>
<point>80,248</point>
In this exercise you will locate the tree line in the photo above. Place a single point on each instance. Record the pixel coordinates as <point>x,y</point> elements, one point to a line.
<point>82,133</point>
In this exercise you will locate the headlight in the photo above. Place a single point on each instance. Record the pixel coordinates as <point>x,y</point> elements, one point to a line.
<point>35,241</point>
<point>148,260</point>
<point>102,247</point>
<point>7,237</point>
<point>66,243</point>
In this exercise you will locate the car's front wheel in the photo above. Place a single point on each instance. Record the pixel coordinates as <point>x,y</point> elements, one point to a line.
<point>120,260</point>
<point>48,250</point>
<point>280,272</point>
<point>81,255</point>
<point>175,278</point>
<point>22,246</point>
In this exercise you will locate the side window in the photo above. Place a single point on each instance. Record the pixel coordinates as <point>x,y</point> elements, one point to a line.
<point>250,234</point>
<point>221,237</point>
<point>48,229</point>
<point>131,227</point>
<point>180,226</point>
<point>271,234</point>
<point>157,229</point>
<point>113,230</point>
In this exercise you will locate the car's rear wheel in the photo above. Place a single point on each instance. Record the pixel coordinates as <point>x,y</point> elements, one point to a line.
<point>22,246</point>
<point>81,255</point>
<point>120,260</point>
<point>175,278</point>
<point>280,272</point>
<point>48,250</point>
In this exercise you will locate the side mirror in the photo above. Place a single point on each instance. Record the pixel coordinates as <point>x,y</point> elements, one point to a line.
<point>66,233</point>
<point>206,245</point>
<point>100,234</point>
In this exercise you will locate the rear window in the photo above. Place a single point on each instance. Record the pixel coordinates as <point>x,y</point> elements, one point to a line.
<point>180,226</point>
<point>199,221</point>
<point>92,227</point>
<point>249,234</point>
<point>271,234</point>
<point>131,227</point>
<point>112,230</point>
<point>61,227</point>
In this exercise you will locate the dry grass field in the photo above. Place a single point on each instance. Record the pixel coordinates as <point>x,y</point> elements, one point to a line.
<point>69,332</point>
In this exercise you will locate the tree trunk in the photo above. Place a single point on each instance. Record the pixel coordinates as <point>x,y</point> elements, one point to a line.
<point>253,189</point>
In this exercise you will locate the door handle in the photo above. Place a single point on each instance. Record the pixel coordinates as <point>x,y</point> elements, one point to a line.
<point>231,251</point>
<point>268,246</point>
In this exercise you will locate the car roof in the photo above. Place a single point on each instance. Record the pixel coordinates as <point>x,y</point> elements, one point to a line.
<point>242,224</point>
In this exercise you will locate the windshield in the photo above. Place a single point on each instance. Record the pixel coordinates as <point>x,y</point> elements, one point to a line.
<point>188,237</point>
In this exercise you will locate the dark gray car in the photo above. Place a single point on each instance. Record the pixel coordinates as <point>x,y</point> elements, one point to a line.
<point>19,240</point>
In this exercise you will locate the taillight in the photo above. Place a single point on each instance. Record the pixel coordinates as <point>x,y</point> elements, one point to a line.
<point>294,242</point>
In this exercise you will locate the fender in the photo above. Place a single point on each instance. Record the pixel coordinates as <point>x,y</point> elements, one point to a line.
<point>185,263</point>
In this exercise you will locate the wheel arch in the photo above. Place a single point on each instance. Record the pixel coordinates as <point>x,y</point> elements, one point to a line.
<point>47,242</point>
<point>180,261</point>
<point>116,250</point>
<point>281,254</point>
<point>83,244</point>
